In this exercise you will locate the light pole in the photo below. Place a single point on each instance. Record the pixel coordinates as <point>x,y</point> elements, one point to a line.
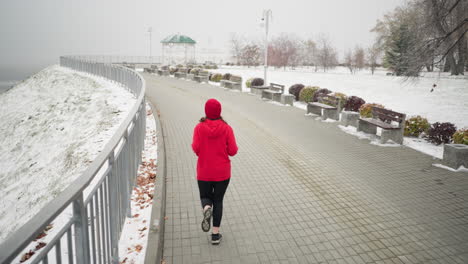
<point>150,30</point>
<point>267,15</point>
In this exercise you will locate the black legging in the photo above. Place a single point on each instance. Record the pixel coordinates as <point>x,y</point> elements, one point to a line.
<point>212,194</point>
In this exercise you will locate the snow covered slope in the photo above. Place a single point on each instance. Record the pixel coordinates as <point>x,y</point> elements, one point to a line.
<point>52,126</point>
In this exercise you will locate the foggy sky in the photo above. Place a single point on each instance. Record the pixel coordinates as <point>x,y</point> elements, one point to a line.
<point>36,33</point>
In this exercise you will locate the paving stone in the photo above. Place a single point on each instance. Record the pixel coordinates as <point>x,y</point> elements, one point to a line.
<point>303,191</point>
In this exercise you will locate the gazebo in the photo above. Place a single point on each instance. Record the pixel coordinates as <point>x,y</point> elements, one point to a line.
<point>178,49</point>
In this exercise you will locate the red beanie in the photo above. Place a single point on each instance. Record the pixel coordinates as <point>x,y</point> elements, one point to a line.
<point>213,109</point>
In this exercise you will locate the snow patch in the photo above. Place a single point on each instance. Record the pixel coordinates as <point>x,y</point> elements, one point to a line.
<point>460,169</point>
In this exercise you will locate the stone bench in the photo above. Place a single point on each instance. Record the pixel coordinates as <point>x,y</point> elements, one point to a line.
<point>258,89</point>
<point>180,73</point>
<point>202,76</point>
<point>330,105</point>
<point>392,124</point>
<point>162,72</point>
<point>275,92</point>
<point>234,82</point>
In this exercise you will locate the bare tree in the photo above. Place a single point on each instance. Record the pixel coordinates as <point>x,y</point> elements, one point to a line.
<point>349,61</point>
<point>359,57</point>
<point>373,55</point>
<point>283,51</point>
<point>250,55</point>
<point>327,56</point>
<point>237,44</point>
<point>309,53</point>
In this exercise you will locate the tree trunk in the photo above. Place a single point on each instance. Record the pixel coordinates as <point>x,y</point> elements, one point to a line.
<point>449,61</point>
<point>462,50</point>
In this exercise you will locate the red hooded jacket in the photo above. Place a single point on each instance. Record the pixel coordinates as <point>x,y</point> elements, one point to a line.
<point>213,143</point>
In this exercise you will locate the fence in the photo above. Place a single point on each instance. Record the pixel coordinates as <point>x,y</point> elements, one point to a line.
<point>99,200</point>
<point>121,59</point>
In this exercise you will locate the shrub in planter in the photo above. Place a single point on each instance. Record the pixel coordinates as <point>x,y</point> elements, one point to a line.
<point>441,133</point>
<point>257,82</point>
<point>248,83</point>
<point>415,126</point>
<point>214,67</point>
<point>217,77</point>
<point>307,94</point>
<point>342,97</point>
<point>227,76</point>
<point>320,92</point>
<point>194,71</point>
<point>461,136</point>
<point>295,90</point>
<point>203,71</point>
<point>366,109</point>
<point>353,103</point>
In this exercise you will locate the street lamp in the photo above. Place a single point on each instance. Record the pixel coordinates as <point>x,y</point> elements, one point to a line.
<point>267,15</point>
<point>150,30</point>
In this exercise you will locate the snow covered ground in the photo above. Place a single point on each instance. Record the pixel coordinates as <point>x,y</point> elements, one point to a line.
<point>134,239</point>
<point>447,103</point>
<point>52,126</point>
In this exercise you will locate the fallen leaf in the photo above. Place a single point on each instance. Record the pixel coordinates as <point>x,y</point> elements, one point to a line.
<point>26,256</point>
<point>40,245</point>
<point>138,248</point>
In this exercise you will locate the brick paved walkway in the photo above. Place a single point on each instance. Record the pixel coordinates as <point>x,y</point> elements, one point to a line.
<point>310,192</point>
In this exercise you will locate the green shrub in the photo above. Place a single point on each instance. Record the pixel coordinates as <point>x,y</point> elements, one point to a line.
<point>227,76</point>
<point>461,136</point>
<point>217,77</point>
<point>248,83</point>
<point>366,109</point>
<point>415,126</point>
<point>342,97</point>
<point>194,71</point>
<point>307,94</point>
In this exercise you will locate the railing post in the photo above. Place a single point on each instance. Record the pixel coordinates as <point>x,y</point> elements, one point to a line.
<point>80,215</point>
<point>113,209</point>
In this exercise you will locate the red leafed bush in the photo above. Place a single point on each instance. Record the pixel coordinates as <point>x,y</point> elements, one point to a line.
<point>353,103</point>
<point>295,90</point>
<point>320,92</point>
<point>441,133</point>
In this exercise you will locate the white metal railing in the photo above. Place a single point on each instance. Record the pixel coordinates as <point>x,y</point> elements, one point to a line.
<point>98,210</point>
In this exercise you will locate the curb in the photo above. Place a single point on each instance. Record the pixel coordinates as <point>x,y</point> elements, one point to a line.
<point>154,254</point>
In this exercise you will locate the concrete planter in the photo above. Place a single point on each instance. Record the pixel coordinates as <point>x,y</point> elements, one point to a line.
<point>349,118</point>
<point>455,155</point>
<point>287,99</point>
<point>190,76</point>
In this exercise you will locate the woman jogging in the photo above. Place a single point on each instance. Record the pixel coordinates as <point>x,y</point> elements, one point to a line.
<point>213,143</point>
